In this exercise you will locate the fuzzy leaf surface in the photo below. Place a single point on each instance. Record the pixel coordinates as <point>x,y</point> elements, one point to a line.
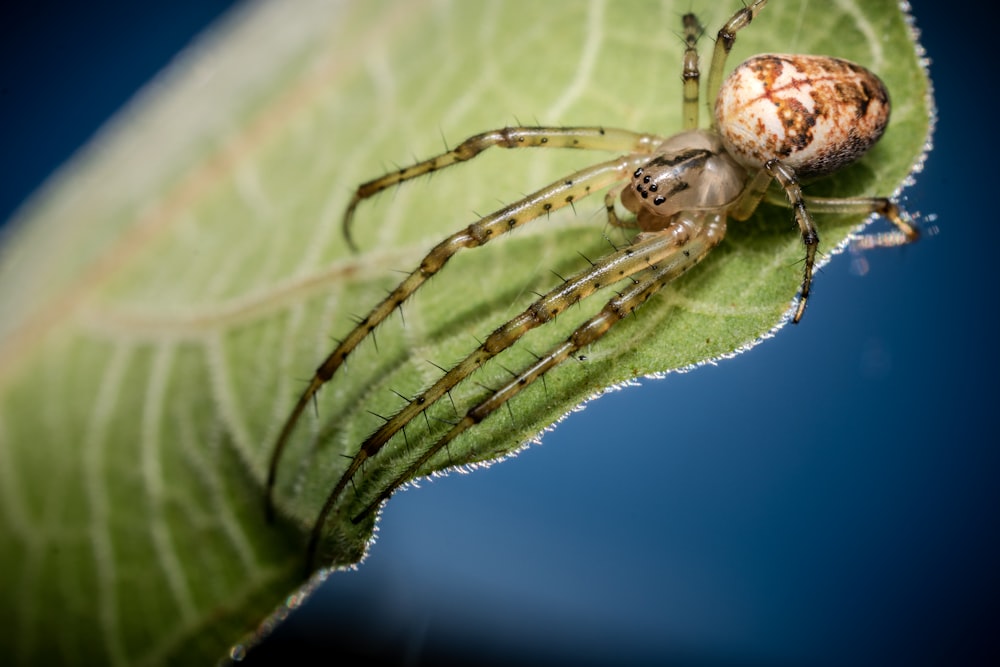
<point>165,299</point>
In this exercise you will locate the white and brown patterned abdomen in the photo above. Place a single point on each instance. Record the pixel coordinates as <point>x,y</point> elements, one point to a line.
<point>814,113</point>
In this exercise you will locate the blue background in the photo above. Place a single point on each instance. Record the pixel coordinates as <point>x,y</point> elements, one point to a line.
<point>829,498</point>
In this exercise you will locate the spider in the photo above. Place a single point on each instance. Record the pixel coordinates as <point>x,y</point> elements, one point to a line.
<point>774,118</point>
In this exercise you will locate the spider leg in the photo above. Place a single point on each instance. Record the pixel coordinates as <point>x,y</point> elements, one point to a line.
<point>906,231</point>
<point>645,254</point>
<point>810,236</point>
<point>550,198</point>
<point>753,192</point>
<point>587,138</point>
<point>709,231</point>
<point>756,190</point>
<point>610,197</point>
<point>690,74</point>
<point>723,45</point>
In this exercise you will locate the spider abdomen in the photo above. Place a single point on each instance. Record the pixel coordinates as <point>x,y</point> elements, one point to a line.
<point>814,113</point>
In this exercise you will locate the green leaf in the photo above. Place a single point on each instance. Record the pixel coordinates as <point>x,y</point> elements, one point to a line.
<point>166,298</point>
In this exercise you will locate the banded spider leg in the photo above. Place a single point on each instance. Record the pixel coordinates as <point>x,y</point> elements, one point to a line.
<point>656,257</point>
<point>552,197</point>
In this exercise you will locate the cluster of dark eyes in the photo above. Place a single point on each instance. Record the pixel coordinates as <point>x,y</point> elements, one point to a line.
<point>643,192</point>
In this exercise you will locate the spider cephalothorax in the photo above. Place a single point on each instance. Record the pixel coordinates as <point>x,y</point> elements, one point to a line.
<point>690,171</point>
<point>775,118</point>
